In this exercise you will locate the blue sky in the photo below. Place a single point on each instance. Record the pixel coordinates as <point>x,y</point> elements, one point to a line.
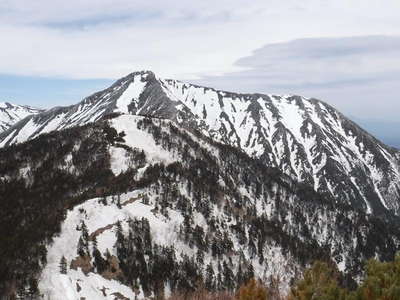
<point>347,53</point>
<point>45,92</point>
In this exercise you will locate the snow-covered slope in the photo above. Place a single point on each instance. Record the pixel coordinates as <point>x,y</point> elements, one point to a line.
<point>244,225</point>
<point>102,214</point>
<point>306,138</point>
<point>11,114</point>
<point>166,209</point>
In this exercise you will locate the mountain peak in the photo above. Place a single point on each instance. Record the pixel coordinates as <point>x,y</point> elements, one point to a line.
<point>307,139</point>
<point>141,72</point>
<point>145,74</point>
<point>4,104</point>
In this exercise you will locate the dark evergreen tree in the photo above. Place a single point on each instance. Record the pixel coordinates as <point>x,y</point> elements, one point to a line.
<point>63,265</point>
<point>94,242</point>
<point>81,250</point>
<point>119,201</point>
<point>33,289</point>
<point>200,257</point>
<point>99,262</point>
<point>210,278</point>
<point>240,277</point>
<point>228,277</point>
<point>249,272</point>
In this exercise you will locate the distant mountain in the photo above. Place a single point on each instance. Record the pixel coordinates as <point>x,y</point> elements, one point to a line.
<point>305,138</point>
<point>12,113</point>
<point>387,131</point>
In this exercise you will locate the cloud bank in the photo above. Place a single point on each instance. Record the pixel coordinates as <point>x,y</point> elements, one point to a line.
<point>175,38</point>
<point>358,75</point>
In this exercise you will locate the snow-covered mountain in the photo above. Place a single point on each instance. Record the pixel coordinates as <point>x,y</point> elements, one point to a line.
<point>11,114</point>
<point>305,138</point>
<point>142,206</point>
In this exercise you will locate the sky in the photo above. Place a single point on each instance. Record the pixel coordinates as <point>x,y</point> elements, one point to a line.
<point>345,52</point>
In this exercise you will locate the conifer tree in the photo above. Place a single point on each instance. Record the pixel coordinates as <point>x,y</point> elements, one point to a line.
<point>210,278</point>
<point>319,282</point>
<point>239,275</point>
<point>83,243</point>
<point>103,200</point>
<point>382,281</point>
<point>33,288</point>
<point>119,201</point>
<point>63,265</point>
<point>228,277</point>
<point>99,261</point>
<point>94,241</point>
<point>200,257</point>
<point>249,273</point>
<point>219,284</point>
<point>81,247</point>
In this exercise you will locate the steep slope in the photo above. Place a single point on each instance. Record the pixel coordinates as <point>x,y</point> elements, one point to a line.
<point>305,138</point>
<point>139,206</point>
<point>11,114</point>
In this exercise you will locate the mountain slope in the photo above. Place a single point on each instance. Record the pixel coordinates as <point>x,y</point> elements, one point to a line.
<point>11,114</point>
<point>166,209</point>
<point>305,138</point>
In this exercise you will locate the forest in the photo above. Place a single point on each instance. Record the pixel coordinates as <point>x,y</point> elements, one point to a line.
<point>41,180</point>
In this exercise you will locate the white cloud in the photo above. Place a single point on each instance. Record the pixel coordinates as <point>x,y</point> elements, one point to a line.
<point>107,39</point>
<point>358,75</point>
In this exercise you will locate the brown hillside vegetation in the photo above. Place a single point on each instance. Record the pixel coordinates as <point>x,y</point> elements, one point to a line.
<point>253,290</point>
<point>320,282</point>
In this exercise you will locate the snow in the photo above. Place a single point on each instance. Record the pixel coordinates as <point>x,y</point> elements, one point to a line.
<point>164,230</point>
<point>291,117</point>
<point>58,286</point>
<point>27,131</point>
<point>62,287</point>
<point>53,124</point>
<point>304,155</point>
<point>96,215</point>
<point>10,114</point>
<point>132,92</point>
<point>9,136</point>
<point>118,161</point>
<point>136,138</point>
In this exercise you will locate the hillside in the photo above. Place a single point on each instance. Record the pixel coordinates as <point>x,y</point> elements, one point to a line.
<point>140,205</point>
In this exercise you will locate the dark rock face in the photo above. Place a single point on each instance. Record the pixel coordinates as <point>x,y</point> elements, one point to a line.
<point>306,138</point>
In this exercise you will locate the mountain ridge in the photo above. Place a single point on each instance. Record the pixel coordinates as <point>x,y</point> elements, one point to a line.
<point>306,138</point>
<point>152,186</point>
<point>12,113</point>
